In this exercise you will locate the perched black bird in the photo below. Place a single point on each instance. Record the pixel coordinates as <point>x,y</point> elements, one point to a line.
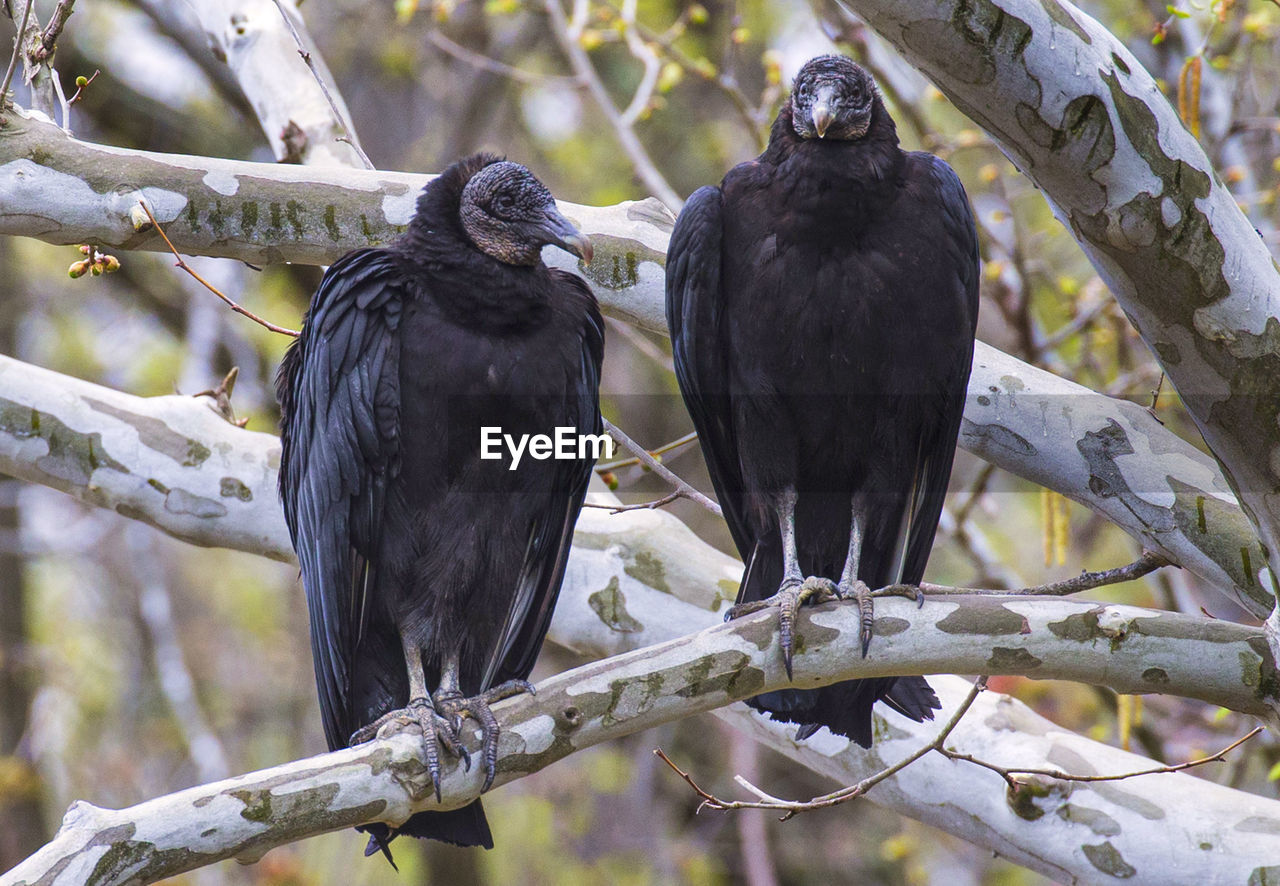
<point>426,566</point>
<point>822,304</point>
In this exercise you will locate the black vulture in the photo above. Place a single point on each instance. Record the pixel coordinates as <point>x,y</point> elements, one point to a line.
<point>822,304</point>
<point>431,572</point>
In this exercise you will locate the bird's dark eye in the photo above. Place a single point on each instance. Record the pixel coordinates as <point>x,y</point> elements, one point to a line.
<point>504,203</point>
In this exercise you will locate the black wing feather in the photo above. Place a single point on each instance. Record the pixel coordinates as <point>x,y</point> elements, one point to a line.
<point>339,395</point>
<point>694,304</point>
<point>960,243</point>
<point>549,547</point>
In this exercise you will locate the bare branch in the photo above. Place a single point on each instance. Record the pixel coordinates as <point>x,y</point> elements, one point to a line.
<point>1010,774</point>
<point>643,456</point>
<point>348,131</point>
<point>644,505</point>
<point>630,143</point>
<point>647,57</point>
<point>49,36</point>
<point>1085,581</point>
<point>17,52</point>
<point>181,263</point>
<point>664,448</point>
<point>482,62</point>
<point>834,798</point>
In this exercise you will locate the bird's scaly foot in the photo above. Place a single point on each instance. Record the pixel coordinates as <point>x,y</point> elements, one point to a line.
<point>910,592</point>
<point>458,708</point>
<point>859,591</point>
<point>437,731</point>
<point>791,594</point>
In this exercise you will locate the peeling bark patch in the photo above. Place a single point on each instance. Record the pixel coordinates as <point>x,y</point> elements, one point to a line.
<point>648,569</point>
<point>1156,676</point>
<point>1100,449</point>
<point>231,487</point>
<point>155,434</point>
<point>723,672</point>
<point>1083,628</point>
<point>983,617</point>
<point>1141,805</point>
<point>654,212</point>
<point>611,606</point>
<point>312,805</point>
<point>994,436</point>
<point>1175,625</point>
<point>617,262</point>
<point>72,456</point>
<point>1169,353</point>
<point>1192,278</point>
<point>331,223</point>
<point>1261,671</point>
<point>1062,16</point>
<point>179,501</point>
<point>1017,661</point>
<point>1108,859</point>
<point>759,632</point>
<point>887,626</point>
<point>1268,876</point>
<point>1070,761</point>
<point>1257,824</point>
<point>1022,801</point>
<point>1212,525</point>
<point>1094,819</point>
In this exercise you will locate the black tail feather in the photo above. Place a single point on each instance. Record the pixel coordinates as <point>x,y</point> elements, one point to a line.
<point>461,827</point>
<point>845,708</point>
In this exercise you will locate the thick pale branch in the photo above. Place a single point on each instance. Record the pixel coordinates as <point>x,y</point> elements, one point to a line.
<point>300,119</point>
<point>634,691</point>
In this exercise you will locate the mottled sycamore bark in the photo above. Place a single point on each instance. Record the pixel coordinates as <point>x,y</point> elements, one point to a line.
<point>387,780</point>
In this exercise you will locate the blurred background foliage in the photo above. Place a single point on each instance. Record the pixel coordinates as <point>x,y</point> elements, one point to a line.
<point>132,665</point>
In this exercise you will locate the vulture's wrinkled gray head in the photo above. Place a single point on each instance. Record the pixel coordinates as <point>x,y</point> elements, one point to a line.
<point>510,215</point>
<point>832,98</point>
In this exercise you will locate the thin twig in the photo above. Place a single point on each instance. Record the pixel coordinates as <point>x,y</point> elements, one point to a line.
<point>49,36</point>
<point>209,286</point>
<point>1085,581</point>
<point>333,105</point>
<point>630,143</point>
<point>647,57</point>
<point>1010,774</point>
<point>659,468</point>
<point>82,87</point>
<point>644,505</point>
<point>482,62</point>
<point>843,795</point>
<point>637,340</point>
<point>17,51</point>
<point>665,447</point>
<point>753,117</point>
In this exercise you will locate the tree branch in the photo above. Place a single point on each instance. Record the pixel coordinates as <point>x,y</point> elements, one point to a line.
<point>604,700</point>
<point>251,37</point>
<point>622,126</point>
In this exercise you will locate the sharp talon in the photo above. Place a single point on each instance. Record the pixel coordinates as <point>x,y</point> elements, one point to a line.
<point>919,599</point>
